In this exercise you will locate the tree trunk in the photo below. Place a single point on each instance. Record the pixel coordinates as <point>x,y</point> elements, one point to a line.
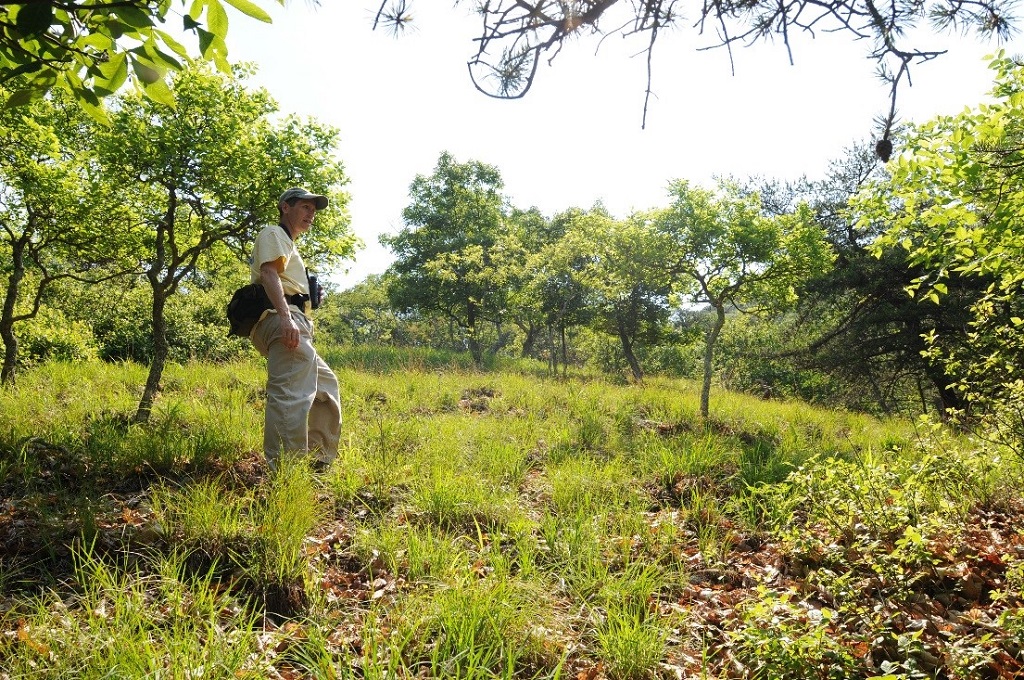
<point>552,356</point>
<point>160,351</point>
<point>627,349</point>
<point>501,342</point>
<point>474,341</point>
<point>949,399</point>
<point>565,352</point>
<point>7,373</point>
<point>709,350</point>
<point>876,391</point>
<point>531,339</point>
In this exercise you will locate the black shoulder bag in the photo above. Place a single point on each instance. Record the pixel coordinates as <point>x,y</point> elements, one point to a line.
<point>246,307</point>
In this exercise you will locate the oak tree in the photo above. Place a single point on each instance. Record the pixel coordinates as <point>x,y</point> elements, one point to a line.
<point>622,268</point>
<point>204,175</point>
<point>54,213</point>
<point>727,253</point>
<point>455,255</point>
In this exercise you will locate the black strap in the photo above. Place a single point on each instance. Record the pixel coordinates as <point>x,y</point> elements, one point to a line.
<point>298,299</point>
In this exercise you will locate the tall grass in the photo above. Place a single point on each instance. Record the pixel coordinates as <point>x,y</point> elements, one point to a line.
<point>134,624</point>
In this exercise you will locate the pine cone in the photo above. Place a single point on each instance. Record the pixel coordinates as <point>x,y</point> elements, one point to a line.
<point>883,147</point>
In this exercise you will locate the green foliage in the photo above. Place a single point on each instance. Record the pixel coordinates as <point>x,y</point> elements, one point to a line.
<point>479,627</point>
<point>623,278</point>
<point>587,486</point>
<point>283,518</point>
<point>723,250</point>
<point>452,256</point>
<point>198,186</point>
<point>782,638</point>
<point>951,206</point>
<point>727,251</point>
<point>748,350</point>
<point>361,315</point>
<point>92,50</point>
<point>51,336</point>
<point>51,213</point>
<point>205,518</point>
<point>136,623</point>
<point>120,323</point>
<point>630,644</point>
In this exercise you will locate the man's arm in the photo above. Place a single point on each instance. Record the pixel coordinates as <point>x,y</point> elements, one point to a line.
<point>271,278</point>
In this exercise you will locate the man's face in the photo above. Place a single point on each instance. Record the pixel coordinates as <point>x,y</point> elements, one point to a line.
<point>299,217</point>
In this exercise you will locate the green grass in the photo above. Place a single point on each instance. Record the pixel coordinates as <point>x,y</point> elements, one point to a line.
<point>492,524</point>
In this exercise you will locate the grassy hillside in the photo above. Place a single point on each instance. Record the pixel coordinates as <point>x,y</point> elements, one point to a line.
<point>494,525</point>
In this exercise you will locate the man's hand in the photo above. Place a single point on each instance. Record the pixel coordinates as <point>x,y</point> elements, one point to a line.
<point>289,331</point>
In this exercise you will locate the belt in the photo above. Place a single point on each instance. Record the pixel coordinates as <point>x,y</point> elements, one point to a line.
<point>298,299</point>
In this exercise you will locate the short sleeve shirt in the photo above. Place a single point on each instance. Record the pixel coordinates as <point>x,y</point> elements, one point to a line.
<point>274,243</point>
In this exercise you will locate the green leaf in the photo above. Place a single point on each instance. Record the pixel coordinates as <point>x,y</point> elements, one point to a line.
<point>134,17</point>
<point>87,100</point>
<point>159,92</point>
<point>221,62</point>
<point>175,46</point>
<point>196,10</point>
<point>206,40</point>
<point>214,49</point>
<point>217,18</point>
<point>250,9</point>
<point>34,19</point>
<point>30,67</point>
<point>85,96</point>
<point>115,29</point>
<point>146,73</point>
<point>99,41</point>
<point>115,72</point>
<point>23,98</point>
<point>159,57</point>
<point>97,113</point>
<point>190,23</point>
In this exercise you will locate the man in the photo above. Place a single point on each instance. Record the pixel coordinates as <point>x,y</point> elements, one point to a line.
<point>303,412</point>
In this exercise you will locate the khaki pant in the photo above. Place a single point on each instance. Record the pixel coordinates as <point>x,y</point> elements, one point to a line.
<point>303,412</point>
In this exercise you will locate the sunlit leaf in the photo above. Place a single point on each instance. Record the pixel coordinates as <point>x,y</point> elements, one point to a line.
<point>206,42</point>
<point>158,91</point>
<point>250,9</point>
<point>115,72</point>
<point>175,46</point>
<point>196,10</point>
<point>217,17</point>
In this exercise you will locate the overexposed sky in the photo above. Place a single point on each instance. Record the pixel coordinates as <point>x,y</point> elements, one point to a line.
<point>576,137</point>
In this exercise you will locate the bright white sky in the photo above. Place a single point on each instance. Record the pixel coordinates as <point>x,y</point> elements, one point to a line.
<point>576,137</point>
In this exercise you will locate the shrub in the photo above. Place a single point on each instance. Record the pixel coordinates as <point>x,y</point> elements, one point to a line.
<point>51,336</point>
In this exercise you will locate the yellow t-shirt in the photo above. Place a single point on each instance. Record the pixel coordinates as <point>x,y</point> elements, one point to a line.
<point>273,243</point>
